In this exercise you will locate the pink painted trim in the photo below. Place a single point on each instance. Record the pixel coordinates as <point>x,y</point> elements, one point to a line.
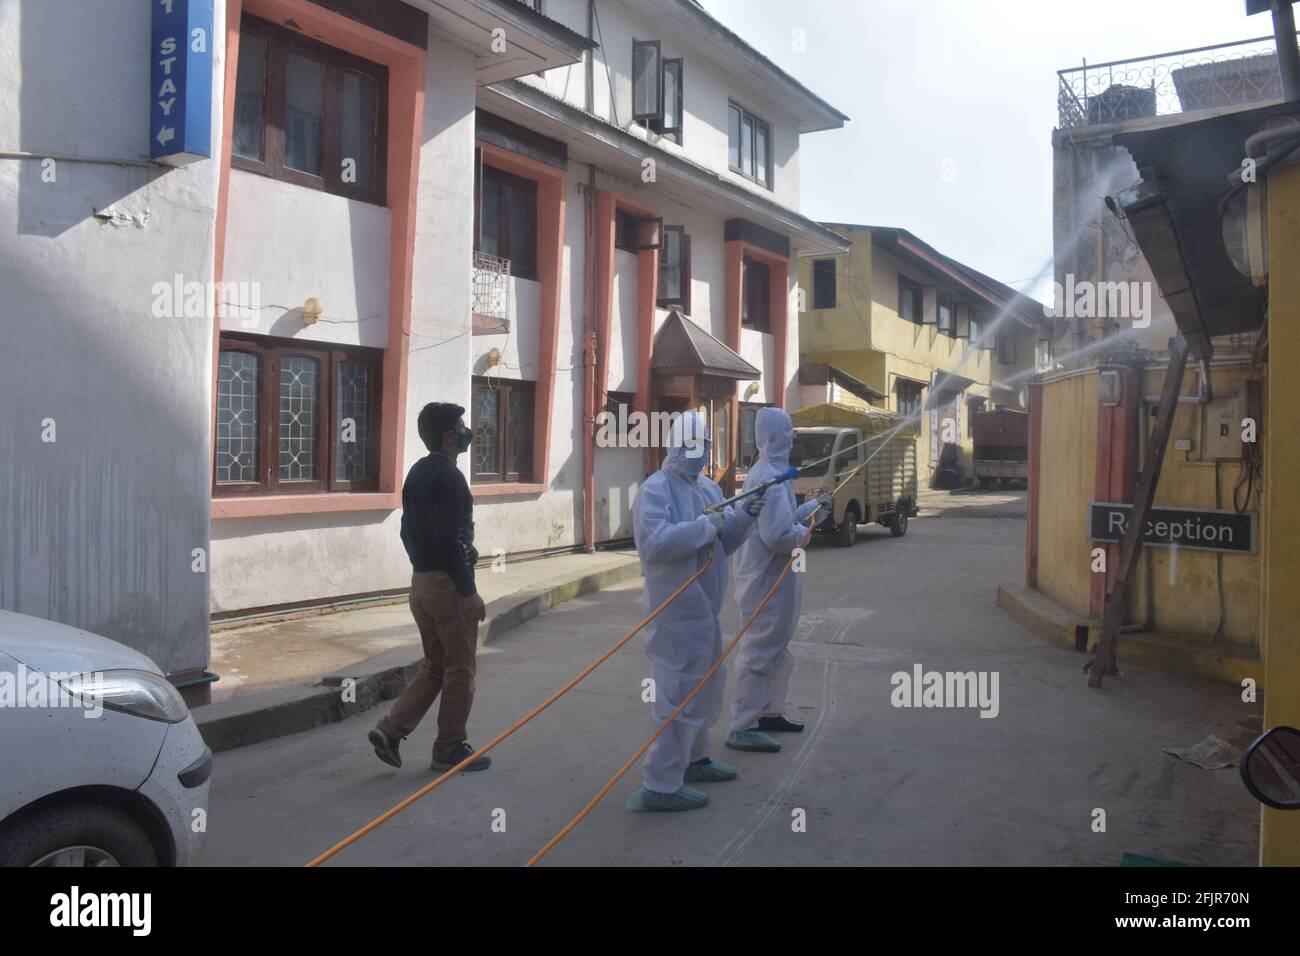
<point>550,261</point>
<point>734,266</point>
<point>262,506</point>
<point>778,294</point>
<point>778,281</point>
<point>606,206</point>
<point>234,9</point>
<point>507,488</point>
<point>406,77</point>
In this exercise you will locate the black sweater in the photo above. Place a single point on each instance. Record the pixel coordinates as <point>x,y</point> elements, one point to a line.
<point>438,520</point>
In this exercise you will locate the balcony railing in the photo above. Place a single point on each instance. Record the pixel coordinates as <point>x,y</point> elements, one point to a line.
<point>491,286</point>
<point>1227,74</point>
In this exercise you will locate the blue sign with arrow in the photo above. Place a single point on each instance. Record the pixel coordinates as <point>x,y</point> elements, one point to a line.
<point>180,72</point>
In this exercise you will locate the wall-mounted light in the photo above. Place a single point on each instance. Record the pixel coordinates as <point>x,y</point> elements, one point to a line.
<point>751,391</point>
<point>492,358</point>
<point>312,310</point>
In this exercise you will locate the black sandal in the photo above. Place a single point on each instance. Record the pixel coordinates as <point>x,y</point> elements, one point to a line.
<point>780,725</point>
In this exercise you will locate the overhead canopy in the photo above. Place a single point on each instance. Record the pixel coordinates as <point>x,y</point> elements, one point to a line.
<point>822,373</point>
<point>1175,217</point>
<point>683,348</point>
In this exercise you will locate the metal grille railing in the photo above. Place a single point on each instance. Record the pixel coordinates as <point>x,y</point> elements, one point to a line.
<point>1226,74</point>
<point>491,286</point>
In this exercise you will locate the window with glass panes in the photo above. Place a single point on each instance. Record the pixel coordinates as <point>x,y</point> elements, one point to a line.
<point>506,215</point>
<point>908,395</point>
<point>675,270</point>
<point>295,417</point>
<point>749,145</point>
<point>755,295</point>
<point>502,422</point>
<point>309,113</point>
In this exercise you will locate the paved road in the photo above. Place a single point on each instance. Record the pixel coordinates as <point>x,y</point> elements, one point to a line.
<point>876,784</point>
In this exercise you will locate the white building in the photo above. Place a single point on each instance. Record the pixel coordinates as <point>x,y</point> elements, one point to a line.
<point>214,369</point>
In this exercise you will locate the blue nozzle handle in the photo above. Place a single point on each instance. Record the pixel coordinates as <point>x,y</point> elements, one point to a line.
<point>788,475</point>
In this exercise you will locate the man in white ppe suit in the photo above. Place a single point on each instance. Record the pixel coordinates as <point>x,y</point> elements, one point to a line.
<point>764,662</point>
<point>674,537</point>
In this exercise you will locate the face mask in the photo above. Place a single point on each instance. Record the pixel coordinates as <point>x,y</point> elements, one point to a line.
<point>464,440</point>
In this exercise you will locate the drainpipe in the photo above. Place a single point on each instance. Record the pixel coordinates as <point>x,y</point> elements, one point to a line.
<point>1288,57</point>
<point>589,363</point>
<point>590,70</point>
<point>1204,392</point>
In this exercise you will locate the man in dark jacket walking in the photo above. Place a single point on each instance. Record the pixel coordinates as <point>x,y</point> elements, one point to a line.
<point>438,532</point>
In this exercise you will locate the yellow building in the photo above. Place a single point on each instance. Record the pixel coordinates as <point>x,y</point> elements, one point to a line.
<point>932,336</point>
<point>1224,258</point>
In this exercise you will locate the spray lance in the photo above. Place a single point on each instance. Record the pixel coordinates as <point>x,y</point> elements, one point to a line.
<point>793,472</point>
<point>787,475</point>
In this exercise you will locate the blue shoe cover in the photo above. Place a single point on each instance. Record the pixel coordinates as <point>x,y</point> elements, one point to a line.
<point>709,771</point>
<point>753,740</point>
<point>685,798</point>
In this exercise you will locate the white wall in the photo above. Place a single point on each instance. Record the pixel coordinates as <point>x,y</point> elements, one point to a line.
<point>262,561</point>
<point>297,243</point>
<point>100,524</point>
<point>553,518</point>
<point>706,87</point>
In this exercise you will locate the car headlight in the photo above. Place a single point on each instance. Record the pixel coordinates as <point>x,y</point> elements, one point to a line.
<point>133,692</point>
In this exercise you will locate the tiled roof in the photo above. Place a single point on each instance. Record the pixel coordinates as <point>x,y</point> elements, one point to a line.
<point>682,347</point>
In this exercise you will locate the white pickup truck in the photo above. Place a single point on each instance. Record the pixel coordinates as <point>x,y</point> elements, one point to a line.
<point>883,492</point>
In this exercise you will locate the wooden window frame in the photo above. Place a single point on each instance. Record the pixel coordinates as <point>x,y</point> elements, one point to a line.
<point>504,386</point>
<point>817,301</point>
<point>271,352</point>
<point>280,41</point>
<point>1010,346</point>
<point>939,300</point>
<point>505,241</point>
<point>656,124</point>
<point>912,404</point>
<point>907,289</point>
<point>746,283</point>
<point>683,299</point>
<point>961,320</point>
<point>768,165</point>
<point>658,112</point>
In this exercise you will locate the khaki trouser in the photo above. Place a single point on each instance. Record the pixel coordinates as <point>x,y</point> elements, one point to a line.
<point>450,644</point>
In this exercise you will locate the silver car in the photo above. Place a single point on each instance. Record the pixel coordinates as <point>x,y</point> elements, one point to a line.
<point>100,761</point>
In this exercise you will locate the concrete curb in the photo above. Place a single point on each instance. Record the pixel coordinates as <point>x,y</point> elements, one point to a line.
<point>241,721</point>
<point>1220,661</point>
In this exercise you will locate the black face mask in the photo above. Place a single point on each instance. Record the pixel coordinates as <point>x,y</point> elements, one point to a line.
<point>464,440</point>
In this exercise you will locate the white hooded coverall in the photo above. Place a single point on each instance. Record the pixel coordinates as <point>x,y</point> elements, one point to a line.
<point>673,539</point>
<point>764,662</point>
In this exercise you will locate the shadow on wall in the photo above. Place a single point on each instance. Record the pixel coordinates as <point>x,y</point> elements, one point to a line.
<point>104,447</point>
<point>52,122</point>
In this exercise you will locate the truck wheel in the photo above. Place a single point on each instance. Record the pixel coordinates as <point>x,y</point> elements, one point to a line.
<point>898,524</point>
<point>847,532</point>
<point>986,483</point>
<point>78,834</point>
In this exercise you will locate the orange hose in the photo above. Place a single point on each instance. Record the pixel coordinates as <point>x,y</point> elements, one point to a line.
<point>600,794</point>
<point>429,788</point>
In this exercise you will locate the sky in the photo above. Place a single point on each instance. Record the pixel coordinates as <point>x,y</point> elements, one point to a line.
<point>952,103</point>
